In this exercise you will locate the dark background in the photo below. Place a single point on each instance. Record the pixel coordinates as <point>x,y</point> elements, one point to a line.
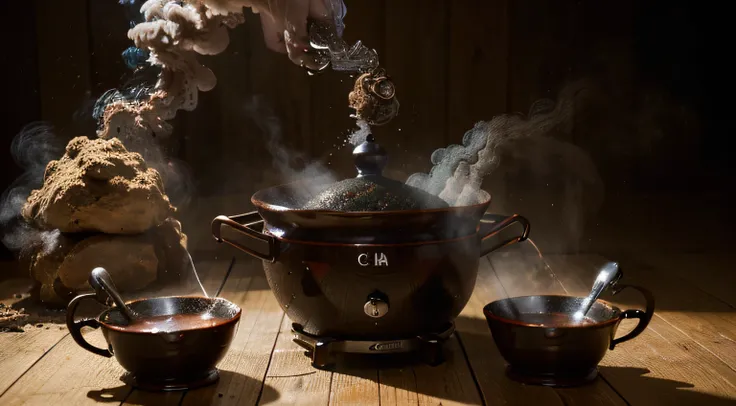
<point>658,124</point>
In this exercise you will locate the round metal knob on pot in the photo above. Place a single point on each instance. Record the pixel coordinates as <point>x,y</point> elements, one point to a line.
<point>376,306</point>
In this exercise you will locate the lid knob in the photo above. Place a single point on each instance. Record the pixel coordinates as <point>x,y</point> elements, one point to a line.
<point>370,158</point>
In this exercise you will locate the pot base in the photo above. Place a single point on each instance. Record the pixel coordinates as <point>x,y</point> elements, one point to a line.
<point>552,380</point>
<point>322,350</point>
<point>150,385</point>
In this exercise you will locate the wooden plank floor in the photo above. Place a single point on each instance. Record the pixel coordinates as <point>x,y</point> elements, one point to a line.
<point>687,356</point>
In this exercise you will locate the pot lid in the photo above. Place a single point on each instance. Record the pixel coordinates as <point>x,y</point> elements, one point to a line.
<point>370,190</point>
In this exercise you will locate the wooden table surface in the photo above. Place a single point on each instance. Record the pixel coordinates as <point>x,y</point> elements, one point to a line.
<point>687,356</point>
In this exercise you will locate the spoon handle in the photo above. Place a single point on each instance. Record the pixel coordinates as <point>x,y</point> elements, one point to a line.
<point>105,289</point>
<point>609,274</point>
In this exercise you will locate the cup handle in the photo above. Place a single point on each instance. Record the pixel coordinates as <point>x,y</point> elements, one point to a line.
<point>644,316</point>
<point>75,327</point>
<point>492,224</point>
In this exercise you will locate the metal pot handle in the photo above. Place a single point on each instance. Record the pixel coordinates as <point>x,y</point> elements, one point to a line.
<point>75,327</point>
<point>243,224</point>
<point>492,224</point>
<point>644,316</point>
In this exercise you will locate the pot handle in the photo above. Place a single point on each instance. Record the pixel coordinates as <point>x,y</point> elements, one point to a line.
<point>644,316</point>
<point>243,224</point>
<point>75,327</point>
<point>492,224</point>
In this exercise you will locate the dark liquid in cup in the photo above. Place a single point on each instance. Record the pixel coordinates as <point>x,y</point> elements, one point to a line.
<point>176,322</point>
<point>555,319</point>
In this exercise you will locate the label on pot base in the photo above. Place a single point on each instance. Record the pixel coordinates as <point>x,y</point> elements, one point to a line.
<point>377,259</point>
<point>389,346</point>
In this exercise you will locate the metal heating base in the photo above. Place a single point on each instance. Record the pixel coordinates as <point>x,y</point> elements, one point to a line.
<point>323,350</point>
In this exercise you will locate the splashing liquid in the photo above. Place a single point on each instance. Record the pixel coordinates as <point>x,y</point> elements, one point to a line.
<point>546,265</point>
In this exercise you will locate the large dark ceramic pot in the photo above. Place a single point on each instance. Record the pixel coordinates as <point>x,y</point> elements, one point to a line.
<point>368,258</point>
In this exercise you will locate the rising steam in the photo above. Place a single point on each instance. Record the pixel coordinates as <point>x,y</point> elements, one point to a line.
<point>31,149</point>
<point>529,155</point>
<point>306,178</point>
<point>459,170</point>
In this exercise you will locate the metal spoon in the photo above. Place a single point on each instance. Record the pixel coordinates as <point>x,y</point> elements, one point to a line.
<point>609,274</point>
<point>105,289</point>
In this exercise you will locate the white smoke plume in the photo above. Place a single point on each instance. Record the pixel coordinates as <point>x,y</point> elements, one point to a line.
<point>173,32</point>
<point>307,178</point>
<point>458,170</point>
<point>31,149</point>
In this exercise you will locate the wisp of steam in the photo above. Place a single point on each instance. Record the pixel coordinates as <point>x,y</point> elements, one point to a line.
<point>458,170</point>
<point>31,149</point>
<point>305,182</point>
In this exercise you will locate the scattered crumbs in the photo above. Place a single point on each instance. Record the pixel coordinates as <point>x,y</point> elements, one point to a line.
<point>39,325</point>
<point>11,319</point>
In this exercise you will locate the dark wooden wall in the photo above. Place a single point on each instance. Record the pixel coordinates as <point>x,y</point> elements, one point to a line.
<point>454,62</point>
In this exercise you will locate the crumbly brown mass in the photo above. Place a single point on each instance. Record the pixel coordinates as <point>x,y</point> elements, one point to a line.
<point>98,186</point>
<point>359,100</point>
<point>134,262</point>
<point>44,260</point>
<point>130,260</point>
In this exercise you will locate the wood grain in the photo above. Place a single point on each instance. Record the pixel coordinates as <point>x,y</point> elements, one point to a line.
<point>709,272</point>
<point>47,372</point>
<point>697,315</point>
<point>478,64</point>
<point>292,376</point>
<point>416,58</point>
<point>63,60</point>
<point>19,351</point>
<point>355,386</point>
<point>67,375</point>
<point>488,364</point>
<point>450,383</point>
<point>541,40</point>
<point>398,387</point>
<point>661,366</point>
<point>243,370</point>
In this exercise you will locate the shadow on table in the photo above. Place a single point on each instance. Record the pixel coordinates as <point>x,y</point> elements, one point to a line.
<point>230,388</point>
<point>631,383</point>
<point>656,391</point>
<point>407,372</point>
